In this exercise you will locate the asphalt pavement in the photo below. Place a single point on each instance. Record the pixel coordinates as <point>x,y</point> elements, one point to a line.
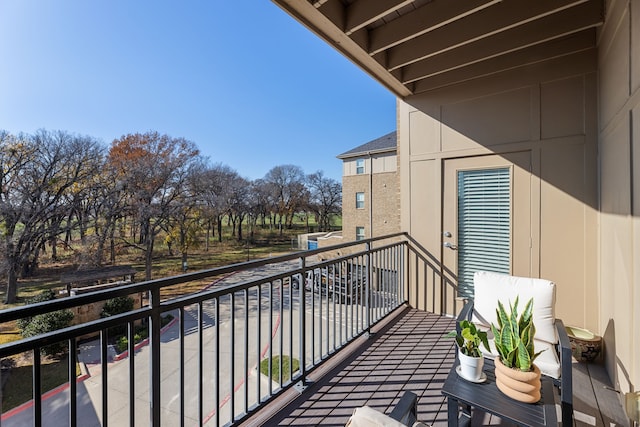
<point>55,403</point>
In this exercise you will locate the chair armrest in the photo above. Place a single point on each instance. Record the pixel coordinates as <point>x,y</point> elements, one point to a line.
<point>406,411</point>
<point>566,374</point>
<point>465,313</point>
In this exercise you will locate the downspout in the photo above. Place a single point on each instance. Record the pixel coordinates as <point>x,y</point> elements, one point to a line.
<point>370,194</point>
<point>369,246</point>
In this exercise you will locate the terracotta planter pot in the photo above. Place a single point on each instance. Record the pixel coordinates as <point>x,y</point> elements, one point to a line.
<point>518,385</point>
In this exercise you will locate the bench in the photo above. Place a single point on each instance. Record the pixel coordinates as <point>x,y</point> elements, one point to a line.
<point>115,275</point>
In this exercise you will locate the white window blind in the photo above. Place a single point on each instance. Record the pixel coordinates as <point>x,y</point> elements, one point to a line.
<point>484,224</point>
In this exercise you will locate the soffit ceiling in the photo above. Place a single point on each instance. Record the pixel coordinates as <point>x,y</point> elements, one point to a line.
<point>414,46</point>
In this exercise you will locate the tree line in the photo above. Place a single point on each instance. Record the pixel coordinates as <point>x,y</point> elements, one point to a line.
<point>55,186</point>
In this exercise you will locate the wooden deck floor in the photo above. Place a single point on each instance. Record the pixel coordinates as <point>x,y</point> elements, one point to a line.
<point>409,352</point>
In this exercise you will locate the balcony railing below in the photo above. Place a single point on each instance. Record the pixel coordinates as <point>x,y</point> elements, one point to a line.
<point>289,315</point>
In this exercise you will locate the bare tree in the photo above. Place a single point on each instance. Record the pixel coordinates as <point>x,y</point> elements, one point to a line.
<point>326,198</point>
<point>37,175</point>
<point>238,202</point>
<point>287,187</point>
<point>258,201</point>
<point>153,169</point>
<point>184,221</point>
<point>213,193</point>
<point>106,205</point>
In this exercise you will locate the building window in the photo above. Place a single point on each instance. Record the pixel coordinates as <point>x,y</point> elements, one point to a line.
<point>359,166</point>
<point>359,200</point>
<point>359,233</point>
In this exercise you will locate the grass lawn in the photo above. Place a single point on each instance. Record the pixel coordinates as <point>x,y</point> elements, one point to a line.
<point>10,336</point>
<point>275,367</point>
<point>18,389</point>
<point>164,265</point>
<point>266,243</point>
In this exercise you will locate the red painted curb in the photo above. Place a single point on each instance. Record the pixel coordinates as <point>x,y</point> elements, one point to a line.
<point>61,388</point>
<point>47,395</point>
<point>145,341</point>
<point>241,382</point>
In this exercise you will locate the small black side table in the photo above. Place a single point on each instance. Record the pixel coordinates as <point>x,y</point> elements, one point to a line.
<point>487,398</point>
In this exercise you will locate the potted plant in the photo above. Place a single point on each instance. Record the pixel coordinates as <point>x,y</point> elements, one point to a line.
<point>468,338</point>
<point>516,374</point>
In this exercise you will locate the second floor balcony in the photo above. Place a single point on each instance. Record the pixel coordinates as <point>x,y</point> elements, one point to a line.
<point>297,339</point>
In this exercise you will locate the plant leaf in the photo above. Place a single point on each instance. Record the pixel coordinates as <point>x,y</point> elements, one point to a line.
<point>527,314</point>
<point>515,327</point>
<point>524,360</point>
<point>483,338</point>
<point>536,355</point>
<point>509,361</point>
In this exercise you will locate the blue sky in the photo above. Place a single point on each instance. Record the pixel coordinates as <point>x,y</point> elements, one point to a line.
<point>243,80</point>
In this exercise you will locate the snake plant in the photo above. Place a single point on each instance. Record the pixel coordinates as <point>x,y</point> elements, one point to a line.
<point>514,336</point>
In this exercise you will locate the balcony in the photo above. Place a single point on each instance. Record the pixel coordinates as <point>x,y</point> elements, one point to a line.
<point>341,313</point>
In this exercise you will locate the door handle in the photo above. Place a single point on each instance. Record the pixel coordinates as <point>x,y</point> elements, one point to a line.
<point>450,246</point>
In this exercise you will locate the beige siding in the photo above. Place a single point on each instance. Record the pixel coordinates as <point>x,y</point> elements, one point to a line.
<point>541,109</point>
<point>619,147</point>
<point>382,163</point>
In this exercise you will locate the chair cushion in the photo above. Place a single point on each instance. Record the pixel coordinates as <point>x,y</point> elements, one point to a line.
<point>366,416</point>
<point>491,287</point>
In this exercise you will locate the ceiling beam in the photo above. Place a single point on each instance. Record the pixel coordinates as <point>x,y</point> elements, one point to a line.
<point>424,19</point>
<point>363,12</point>
<point>498,18</point>
<point>335,12</point>
<point>575,43</point>
<point>551,27</point>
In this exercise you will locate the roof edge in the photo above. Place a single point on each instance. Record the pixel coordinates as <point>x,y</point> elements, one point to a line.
<point>366,153</point>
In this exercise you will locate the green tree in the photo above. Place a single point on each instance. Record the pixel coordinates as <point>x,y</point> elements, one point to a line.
<point>46,322</point>
<point>114,306</point>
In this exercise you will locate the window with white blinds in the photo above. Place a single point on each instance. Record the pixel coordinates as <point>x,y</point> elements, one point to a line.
<point>484,224</point>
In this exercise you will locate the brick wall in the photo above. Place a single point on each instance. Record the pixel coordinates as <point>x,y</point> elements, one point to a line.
<point>386,204</point>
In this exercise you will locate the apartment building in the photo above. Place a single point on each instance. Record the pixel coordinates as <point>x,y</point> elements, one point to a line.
<point>370,189</point>
<point>537,102</point>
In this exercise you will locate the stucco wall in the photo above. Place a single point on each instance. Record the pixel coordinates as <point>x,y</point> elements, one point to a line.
<point>543,118</point>
<point>619,147</point>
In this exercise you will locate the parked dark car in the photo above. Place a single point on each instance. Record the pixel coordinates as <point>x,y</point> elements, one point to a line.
<point>350,289</point>
<point>323,281</point>
<point>310,278</point>
<point>295,281</point>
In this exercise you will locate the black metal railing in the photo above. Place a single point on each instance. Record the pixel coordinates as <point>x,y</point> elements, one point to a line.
<point>229,348</point>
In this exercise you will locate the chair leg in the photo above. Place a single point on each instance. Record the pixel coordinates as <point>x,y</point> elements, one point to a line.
<point>406,411</point>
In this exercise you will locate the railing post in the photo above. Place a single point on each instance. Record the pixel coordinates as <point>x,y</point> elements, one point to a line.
<point>302,384</point>
<point>73,405</point>
<point>154,342</point>
<point>404,269</point>
<point>368,288</point>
